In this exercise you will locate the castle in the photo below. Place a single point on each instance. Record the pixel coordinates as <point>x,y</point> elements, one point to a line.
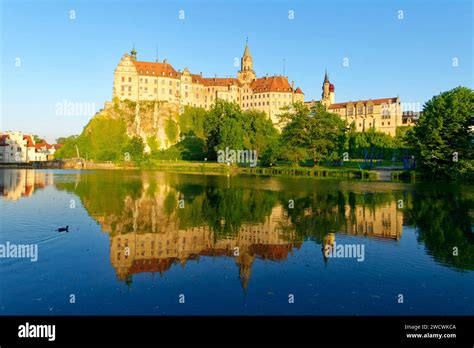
<point>159,81</point>
<point>139,81</point>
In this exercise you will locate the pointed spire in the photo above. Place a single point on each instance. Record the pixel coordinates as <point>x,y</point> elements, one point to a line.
<point>326,78</point>
<point>246,51</point>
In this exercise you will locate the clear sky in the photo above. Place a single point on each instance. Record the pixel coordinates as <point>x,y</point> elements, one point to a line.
<point>48,58</point>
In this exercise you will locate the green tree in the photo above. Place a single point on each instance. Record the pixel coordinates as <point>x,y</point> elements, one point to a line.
<point>319,133</point>
<point>191,122</point>
<point>134,148</point>
<point>442,137</point>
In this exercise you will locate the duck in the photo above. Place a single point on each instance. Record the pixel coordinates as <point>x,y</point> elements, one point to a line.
<point>64,229</point>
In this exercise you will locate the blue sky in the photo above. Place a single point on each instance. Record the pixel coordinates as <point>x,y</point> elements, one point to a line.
<point>73,60</point>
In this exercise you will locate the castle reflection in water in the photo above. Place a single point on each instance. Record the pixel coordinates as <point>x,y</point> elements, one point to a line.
<point>147,236</point>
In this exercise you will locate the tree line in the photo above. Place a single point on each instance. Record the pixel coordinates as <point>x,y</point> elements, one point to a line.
<point>441,142</point>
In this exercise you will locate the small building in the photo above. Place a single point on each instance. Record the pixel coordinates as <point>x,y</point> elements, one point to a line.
<point>16,147</point>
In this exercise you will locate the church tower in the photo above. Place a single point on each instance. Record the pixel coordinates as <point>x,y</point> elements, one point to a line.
<point>246,73</point>
<point>327,97</point>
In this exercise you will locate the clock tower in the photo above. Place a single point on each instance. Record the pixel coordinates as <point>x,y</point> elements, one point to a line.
<point>246,73</point>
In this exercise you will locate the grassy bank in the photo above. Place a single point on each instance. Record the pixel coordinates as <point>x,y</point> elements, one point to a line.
<point>213,167</point>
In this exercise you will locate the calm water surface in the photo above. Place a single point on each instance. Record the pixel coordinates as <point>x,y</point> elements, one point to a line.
<point>139,240</point>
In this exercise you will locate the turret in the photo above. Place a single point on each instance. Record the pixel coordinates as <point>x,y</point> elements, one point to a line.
<point>133,53</point>
<point>327,97</point>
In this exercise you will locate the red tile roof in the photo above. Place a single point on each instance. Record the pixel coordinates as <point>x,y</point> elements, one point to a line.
<point>3,139</point>
<point>220,81</point>
<point>39,146</point>
<point>29,141</point>
<point>263,84</point>
<point>271,84</point>
<point>374,101</point>
<point>156,69</point>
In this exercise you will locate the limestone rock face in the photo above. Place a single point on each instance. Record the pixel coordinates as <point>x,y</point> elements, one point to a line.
<point>156,122</point>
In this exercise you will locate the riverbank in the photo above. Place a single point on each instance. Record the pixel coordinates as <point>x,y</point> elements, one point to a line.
<point>207,168</point>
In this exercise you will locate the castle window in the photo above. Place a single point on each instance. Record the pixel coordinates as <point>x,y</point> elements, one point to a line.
<point>123,79</point>
<point>382,123</point>
<point>360,110</point>
<point>123,88</point>
<point>171,82</point>
<point>350,111</point>
<point>370,109</point>
<point>141,80</point>
<point>147,72</point>
<point>268,103</point>
<point>129,79</point>
<point>146,80</point>
<point>268,95</point>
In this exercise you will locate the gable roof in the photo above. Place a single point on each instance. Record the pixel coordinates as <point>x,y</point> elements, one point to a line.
<point>271,84</point>
<point>156,69</point>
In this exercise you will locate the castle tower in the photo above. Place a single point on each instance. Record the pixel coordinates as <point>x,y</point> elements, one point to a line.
<point>327,97</point>
<point>246,73</point>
